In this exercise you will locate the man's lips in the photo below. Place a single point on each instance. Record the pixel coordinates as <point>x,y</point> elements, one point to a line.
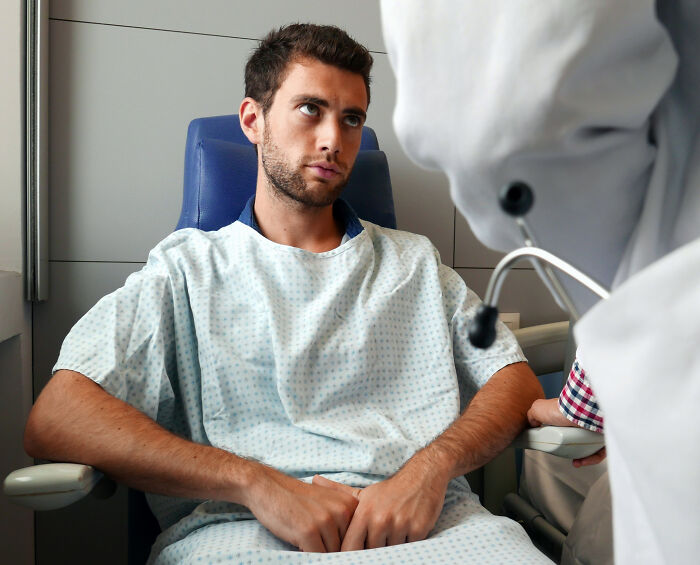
<point>325,169</point>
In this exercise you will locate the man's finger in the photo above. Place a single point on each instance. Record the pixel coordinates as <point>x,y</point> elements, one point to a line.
<point>318,480</point>
<point>397,537</point>
<point>354,539</point>
<point>331,538</point>
<point>342,529</point>
<point>313,544</point>
<point>532,419</point>
<point>376,539</point>
<point>594,459</point>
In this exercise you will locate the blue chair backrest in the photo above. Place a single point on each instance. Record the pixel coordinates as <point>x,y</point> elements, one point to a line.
<point>221,174</point>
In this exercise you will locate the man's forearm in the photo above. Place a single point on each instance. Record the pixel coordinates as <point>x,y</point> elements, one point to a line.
<point>407,505</point>
<point>496,414</point>
<point>75,420</point>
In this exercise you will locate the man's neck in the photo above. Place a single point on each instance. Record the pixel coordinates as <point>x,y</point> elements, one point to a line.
<point>287,222</point>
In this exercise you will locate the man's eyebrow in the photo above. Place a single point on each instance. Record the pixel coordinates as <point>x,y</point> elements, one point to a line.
<point>305,98</point>
<point>354,110</point>
<point>311,100</point>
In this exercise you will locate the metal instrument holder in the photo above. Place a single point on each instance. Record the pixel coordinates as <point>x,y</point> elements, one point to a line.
<point>516,199</point>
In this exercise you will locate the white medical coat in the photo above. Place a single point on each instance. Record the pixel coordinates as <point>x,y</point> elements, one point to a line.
<point>595,104</point>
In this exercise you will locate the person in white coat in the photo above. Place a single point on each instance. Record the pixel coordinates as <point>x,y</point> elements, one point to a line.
<point>595,105</point>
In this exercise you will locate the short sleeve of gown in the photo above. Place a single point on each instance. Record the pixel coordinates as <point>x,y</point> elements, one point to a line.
<point>474,366</point>
<point>125,343</point>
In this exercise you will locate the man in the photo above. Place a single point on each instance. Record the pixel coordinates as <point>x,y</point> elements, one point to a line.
<point>238,365</point>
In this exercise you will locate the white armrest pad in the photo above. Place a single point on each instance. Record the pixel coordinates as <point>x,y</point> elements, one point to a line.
<point>50,486</point>
<point>564,441</point>
<point>542,334</point>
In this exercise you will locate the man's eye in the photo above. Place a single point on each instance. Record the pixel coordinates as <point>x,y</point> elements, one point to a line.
<point>353,121</point>
<point>309,109</point>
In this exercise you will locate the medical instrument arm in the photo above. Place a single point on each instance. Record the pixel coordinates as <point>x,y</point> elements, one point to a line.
<point>482,329</point>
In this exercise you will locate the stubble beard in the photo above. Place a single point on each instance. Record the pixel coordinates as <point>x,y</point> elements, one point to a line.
<point>287,182</point>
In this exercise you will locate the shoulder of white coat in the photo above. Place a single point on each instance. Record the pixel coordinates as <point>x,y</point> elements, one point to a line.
<point>402,242</point>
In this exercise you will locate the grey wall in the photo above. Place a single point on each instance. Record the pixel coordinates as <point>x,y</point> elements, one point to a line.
<point>126,78</point>
<point>11,141</point>
<point>16,523</point>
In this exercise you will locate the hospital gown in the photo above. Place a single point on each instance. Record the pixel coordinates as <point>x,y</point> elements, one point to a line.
<point>342,363</point>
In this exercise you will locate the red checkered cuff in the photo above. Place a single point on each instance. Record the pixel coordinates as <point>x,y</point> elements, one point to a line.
<point>578,403</point>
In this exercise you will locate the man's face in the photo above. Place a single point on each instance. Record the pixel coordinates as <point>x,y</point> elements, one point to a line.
<point>312,132</point>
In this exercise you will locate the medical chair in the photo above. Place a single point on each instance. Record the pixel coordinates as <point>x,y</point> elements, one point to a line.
<point>220,176</point>
<point>565,510</point>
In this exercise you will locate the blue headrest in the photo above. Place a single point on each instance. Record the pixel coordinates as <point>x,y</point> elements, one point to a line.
<point>221,173</point>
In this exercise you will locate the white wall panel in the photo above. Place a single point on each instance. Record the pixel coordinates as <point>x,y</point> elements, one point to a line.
<point>75,288</point>
<point>226,17</point>
<point>421,197</point>
<point>121,100</point>
<point>120,104</point>
<point>11,125</point>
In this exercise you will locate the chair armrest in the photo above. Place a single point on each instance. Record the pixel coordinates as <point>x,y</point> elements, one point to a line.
<point>50,486</point>
<point>563,441</point>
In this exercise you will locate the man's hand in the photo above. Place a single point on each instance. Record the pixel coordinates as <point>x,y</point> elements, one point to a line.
<point>311,517</point>
<point>594,459</point>
<point>400,509</point>
<point>547,413</point>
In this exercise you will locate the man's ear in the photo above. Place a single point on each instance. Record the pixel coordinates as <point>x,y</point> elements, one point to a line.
<point>251,117</point>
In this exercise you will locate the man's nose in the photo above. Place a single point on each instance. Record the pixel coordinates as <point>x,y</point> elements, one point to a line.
<point>330,137</point>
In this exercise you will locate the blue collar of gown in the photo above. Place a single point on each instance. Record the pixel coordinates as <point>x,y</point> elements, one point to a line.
<point>341,210</point>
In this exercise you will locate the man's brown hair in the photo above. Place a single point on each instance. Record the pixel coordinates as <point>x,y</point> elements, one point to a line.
<point>266,69</point>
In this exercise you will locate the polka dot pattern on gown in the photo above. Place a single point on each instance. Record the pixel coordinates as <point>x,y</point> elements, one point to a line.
<point>343,363</point>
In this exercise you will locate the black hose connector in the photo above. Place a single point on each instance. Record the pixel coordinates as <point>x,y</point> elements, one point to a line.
<point>516,199</point>
<point>482,329</point>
